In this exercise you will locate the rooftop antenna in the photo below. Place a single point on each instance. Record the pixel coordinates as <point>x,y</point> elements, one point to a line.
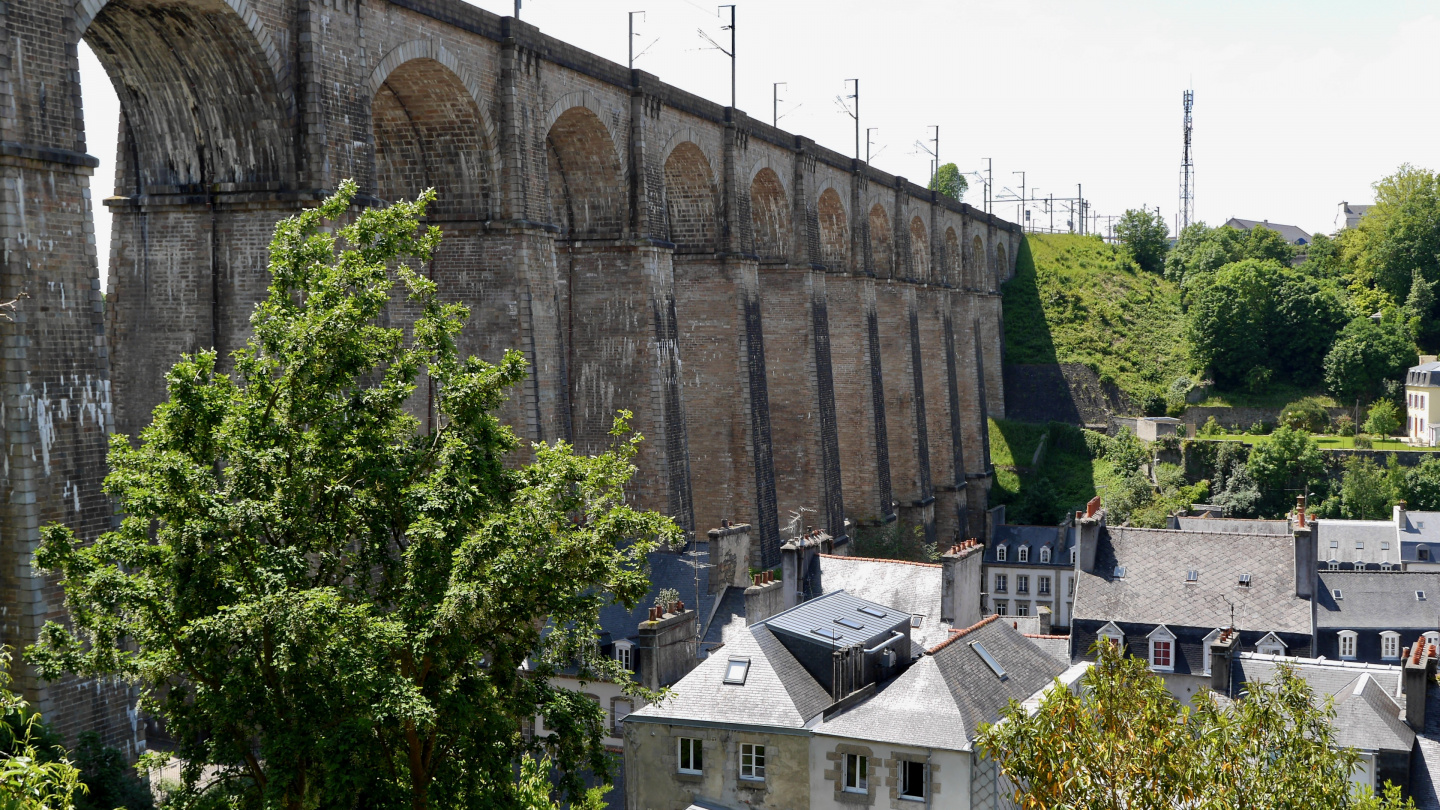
<point>1187,167</point>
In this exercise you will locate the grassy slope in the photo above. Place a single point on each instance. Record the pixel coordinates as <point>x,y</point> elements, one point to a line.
<point>1070,476</point>
<point>1075,300</point>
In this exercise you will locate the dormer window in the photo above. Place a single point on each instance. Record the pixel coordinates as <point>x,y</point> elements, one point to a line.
<point>1045,554</point>
<point>1347,645</point>
<point>1384,566</point>
<point>1024,554</point>
<point>1111,633</point>
<point>625,654</point>
<point>1334,565</point>
<point>1000,552</point>
<point>1162,649</point>
<point>1072,556</point>
<point>1390,645</point>
<point>1422,552</point>
<point>1270,645</point>
<point>1205,653</point>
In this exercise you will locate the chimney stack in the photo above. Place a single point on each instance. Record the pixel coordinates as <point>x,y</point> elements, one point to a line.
<point>666,647</point>
<point>1044,615</point>
<point>1087,534</point>
<point>763,599</point>
<point>961,583</point>
<point>1306,556</point>
<point>1419,672</point>
<point>1222,656</point>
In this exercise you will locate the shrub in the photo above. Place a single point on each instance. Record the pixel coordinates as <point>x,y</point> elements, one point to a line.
<point>1152,403</point>
<point>1258,380</point>
<point>1305,414</point>
<point>1257,429</point>
<point>1362,442</point>
<point>1383,418</point>
<point>1344,425</point>
<point>1211,428</point>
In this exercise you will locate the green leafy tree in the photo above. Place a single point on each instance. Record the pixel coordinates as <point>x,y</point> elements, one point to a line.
<point>1201,250</point>
<point>328,604</point>
<point>1366,354</point>
<point>1309,314</point>
<point>1383,418</point>
<point>1421,488</point>
<point>1229,319</point>
<point>1289,460</point>
<point>1145,236</point>
<point>1365,492</point>
<point>949,181</point>
<point>34,775</point>
<point>1306,414</point>
<point>1123,742</point>
<point>1262,244</point>
<point>1323,258</point>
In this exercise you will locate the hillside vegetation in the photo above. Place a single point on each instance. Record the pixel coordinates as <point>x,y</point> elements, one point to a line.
<point>1075,299</point>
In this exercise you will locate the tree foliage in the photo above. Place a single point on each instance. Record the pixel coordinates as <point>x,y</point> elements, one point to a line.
<point>34,774</point>
<point>1123,742</point>
<point>949,181</point>
<point>327,601</point>
<point>1383,418</point>
<point>1145,236</point>
<point>1283,466</point>
<point>1365,492</point>
<point>1365,355</point>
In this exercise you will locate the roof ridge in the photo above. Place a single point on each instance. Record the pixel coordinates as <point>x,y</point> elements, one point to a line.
<point>880,559</point>
<point>1042,635</point>
<point>956,635</point>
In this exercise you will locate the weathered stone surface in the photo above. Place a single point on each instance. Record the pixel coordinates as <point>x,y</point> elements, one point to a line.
<point>790,327</point>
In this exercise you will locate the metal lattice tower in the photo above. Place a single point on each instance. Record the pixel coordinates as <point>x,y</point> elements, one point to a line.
<point>1187,167</point>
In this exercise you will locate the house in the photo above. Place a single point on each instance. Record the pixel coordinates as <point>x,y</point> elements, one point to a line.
<point>1373,711</point>
<point>1027,568</point>
<point>1409,540</point>
<point>1348,216</point>
<point>1422,405</point>
<point>1224,525</point>
<point>832,703</point>
<point>1290,233</point>
<point>1369,616</point>
<point>1166,594</point>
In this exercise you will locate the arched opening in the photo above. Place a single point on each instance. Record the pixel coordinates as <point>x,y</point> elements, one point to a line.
<point>429,133</point>
<point>1002,266</point>
<point>834,235</point>
<point>919,250</point>
<point>881,257</point>
<point>587,199</point>
<point>952,257</point>
<point>690,201</point>
<point>770,215</point>
<point>977,264</point>
<point>201,105</point>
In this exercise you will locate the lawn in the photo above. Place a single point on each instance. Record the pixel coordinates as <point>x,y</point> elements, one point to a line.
<point>1325,442</point>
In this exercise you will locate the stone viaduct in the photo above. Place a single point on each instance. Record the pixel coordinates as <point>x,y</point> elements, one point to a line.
<point>790,326</point>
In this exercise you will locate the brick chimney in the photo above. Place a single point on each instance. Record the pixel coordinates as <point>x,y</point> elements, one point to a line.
<point>1307,562</point>
<point>1087,534</point>
<point>1222,656</point>
<point>961,583</point>
<point>1419,672</point>
<point>764,598</point>
<point>665,651</point>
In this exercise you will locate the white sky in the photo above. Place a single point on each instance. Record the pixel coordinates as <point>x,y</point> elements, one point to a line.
<point>1298,105</point>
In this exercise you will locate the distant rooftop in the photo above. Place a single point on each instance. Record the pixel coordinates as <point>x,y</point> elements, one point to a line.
<point>1293,234</point>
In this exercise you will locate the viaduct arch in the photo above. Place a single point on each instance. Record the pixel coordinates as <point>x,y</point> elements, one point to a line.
<point>791,326</point>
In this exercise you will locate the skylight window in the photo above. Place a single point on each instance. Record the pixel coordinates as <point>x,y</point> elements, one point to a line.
<point>827,632</point>
<point>736,671</point>
<point>870,611</point>
<point>1419,596</point>
<point>850,623</point>
<point>1244,580</point>
<point>1192,575</point>
<point>916,620</point>
<point>1338,594</point>
<point>989,660</point>
<point>1119,572</point>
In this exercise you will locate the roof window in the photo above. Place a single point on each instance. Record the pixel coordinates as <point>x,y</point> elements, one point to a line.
<point>1419,596</point>
<point>850,623</point>
<point>736,671</point>
<point>870,611</point>
<point>989,660</point>
<point>827,632</point>
<point>1359,544</point>
<point>916,620</point>
<point>1119,572</point>
<point>1192,576</point>
<point>1244,580</point>
<point>1338,594</point>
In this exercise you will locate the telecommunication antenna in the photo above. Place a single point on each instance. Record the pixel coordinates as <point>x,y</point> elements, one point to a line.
<point>1187,167</point>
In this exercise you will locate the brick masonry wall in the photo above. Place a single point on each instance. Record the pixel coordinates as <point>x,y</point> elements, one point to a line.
<point>789,326</point>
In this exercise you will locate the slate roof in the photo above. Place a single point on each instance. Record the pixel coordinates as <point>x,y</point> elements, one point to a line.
<point>1378,600</point>
<point>1425,762</point>
<point>1057,647</point>
<point>1367,704</point>
<point>668,569</point>
<point>912,588</point>
<point>1058,538</point>
<point>777,692</point>
<point>729,618</point>
<point>913,709</point>
<point>1233,525</point>
<point>1154,591</point>
<point>1293,234</point>
<point>1425,374</point>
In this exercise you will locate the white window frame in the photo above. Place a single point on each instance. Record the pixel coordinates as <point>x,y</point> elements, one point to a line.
<point>1433,637</point>
<point>1390,645</point>
<point>752,762</point>
<point>1045,554</point>
<point>1042,586</point>
<point>1072,556</point>
<point>1022,583</point>
<point>1270,645</point>
<point>1002,607</point>
<point>1209,639</point>
<point>905,785</point>
<point>1334,565</point>
<point>1158,636</point>
<point>625,654</point>
<point>1002,583</point>
<point>1110,632</point>
<point>856,779</point>
<point>1347,645</point>
<point>1000,553</point>
<point>1024,554</point>
<point>686,750</point>
<point>1022,608</point>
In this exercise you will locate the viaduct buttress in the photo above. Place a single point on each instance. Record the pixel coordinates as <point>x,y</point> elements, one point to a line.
<point>790,326</point>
